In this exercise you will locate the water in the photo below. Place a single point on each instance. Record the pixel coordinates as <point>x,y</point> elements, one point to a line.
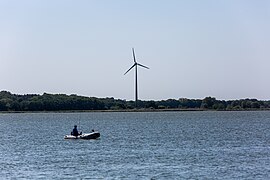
<point>161,145</point>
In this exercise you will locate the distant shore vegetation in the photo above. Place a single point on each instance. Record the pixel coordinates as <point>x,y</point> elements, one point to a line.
<point>62,102</point>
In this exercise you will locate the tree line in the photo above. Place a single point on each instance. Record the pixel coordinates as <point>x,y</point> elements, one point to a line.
<point>63,102</point>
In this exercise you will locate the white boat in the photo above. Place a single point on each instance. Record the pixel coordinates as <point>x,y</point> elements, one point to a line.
<point>92,135</point>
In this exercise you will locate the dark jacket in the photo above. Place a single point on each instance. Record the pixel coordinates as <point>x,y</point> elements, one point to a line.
<point>75,132</point>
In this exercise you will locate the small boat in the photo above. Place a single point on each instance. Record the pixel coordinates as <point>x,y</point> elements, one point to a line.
<point>92,135</point>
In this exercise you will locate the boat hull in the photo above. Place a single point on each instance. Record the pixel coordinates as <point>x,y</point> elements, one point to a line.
<point>93,135</point>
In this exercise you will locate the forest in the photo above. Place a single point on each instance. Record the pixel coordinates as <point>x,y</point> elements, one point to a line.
<point>61,102</point>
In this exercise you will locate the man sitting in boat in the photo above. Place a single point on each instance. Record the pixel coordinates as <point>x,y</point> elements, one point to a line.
<point>75,131</point>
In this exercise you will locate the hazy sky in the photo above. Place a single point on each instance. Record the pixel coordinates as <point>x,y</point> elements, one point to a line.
<point>194,48</point>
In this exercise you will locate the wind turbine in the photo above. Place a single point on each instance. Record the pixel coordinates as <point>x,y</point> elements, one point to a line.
<point>136,75</point>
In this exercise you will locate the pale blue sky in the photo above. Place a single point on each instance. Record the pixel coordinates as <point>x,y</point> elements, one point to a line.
<point>194,48</point>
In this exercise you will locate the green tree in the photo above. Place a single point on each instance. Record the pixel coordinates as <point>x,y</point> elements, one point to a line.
<point>208,102</point>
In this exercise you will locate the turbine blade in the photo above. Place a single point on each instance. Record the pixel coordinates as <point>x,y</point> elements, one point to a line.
<point>130,69</point>
<point>143,66</point>
<point>133,55</point>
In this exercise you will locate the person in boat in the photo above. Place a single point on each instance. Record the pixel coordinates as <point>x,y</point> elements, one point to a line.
<point>75,131</point>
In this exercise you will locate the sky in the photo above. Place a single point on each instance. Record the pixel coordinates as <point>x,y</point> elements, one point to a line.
<point>194,48</point>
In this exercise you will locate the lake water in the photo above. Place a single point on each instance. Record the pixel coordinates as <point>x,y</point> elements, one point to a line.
<point>160,145</point>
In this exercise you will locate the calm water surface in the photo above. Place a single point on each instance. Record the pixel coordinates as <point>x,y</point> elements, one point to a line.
<point>161,145</point>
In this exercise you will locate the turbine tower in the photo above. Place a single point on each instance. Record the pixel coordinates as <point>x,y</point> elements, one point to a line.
<point>136,76</point>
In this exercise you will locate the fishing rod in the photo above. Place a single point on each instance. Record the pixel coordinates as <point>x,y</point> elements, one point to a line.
<point>79,125</point>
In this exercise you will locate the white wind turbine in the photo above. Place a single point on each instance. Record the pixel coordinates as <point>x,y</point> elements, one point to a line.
<point>136,75</point>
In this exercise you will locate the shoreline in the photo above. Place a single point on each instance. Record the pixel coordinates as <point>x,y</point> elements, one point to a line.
<point>132,110</point>
<point>13,103</point>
